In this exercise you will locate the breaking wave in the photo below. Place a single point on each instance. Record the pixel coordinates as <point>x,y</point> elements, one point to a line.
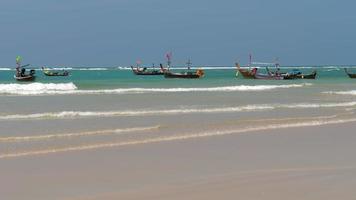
<point>350,92</point>
<point>70,88</point>
<point>91,69</point>
<point>247,108</point>
<point>36,88</point>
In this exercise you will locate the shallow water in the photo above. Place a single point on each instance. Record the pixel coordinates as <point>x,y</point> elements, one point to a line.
<point>95,108</point>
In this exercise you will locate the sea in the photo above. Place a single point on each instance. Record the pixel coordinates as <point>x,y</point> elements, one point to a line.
<point>102,107</point>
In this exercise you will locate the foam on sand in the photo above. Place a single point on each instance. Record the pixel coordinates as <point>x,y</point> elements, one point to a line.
<point>174,138</point>
<point>246,108</point>
<point>350,92</point>
<point>79,134</point>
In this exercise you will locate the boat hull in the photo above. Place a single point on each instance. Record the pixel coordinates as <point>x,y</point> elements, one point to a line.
<point>349,74</point>
<point>268,77</point>
<point>301,76</point>
<point>179,75</point>
<point>146,73</point>
<point>246,73</point>
<point>149,73</point>
<point>56,74</point>
<point>25,78</point>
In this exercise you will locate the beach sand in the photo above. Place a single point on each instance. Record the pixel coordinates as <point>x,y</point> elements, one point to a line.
<point>296,163</point>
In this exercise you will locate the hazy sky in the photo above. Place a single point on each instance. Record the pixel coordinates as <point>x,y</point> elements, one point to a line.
<point>118,32</point>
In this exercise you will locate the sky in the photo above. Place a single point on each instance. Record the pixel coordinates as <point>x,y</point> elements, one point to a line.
<point>120,32</point>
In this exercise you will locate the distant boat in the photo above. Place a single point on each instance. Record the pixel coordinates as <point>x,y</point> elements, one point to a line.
<point>21,74</point>
<point>199,73</point>
<point>145,71</point>
<point>349,74</point>
<point>26,77</point>
<point>246,73</point>
<point>297,74</point>
<point>268,76</point>
<point>49,72</point>
<point>294,74</point>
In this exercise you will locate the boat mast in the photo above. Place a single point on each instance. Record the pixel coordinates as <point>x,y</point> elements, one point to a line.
<point>18,64</point>
<point>189,64</point>
<point>276,63</point>
<point>250,61</point>
<point>169,59</point>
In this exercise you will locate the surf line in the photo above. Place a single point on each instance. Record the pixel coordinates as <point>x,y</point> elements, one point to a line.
<point>246,108</point>
<point>79,134</point>
<point>173,138</point>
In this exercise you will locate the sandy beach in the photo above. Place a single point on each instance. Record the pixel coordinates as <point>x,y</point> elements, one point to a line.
<point>299,163</point>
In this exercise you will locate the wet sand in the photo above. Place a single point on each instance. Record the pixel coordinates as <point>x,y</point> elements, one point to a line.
<point>299,163</point>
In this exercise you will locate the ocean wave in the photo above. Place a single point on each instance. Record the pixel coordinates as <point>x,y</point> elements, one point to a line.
<point>350,92</point>
<point>70,88</point>
<point>174,138</point>
<point>78,114</point>
<point>36,88</point>
<point>5,69</point>
<point>91,69</point>
<point>246,108</point>
<point>61,68</point>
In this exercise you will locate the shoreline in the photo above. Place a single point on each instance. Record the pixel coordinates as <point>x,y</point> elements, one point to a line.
<point>307,162</point>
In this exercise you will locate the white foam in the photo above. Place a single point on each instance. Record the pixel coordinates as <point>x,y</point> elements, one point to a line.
<point>175,138</point>
<point>79,134</point>
<point>350,92</point>
<point>36,88</point>
<point>92,69</point>
<point>70,88</point>
<point>62,68</point>
<point>247,108</point>
<point>78,114</point>
<point>5,69</point>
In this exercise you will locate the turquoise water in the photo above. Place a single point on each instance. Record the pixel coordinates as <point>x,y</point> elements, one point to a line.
<point>105,108</point>
<point>107,78</point>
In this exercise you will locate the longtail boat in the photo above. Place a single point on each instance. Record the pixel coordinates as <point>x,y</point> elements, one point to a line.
<point>21,74</point>
<point>199,73</point>
<point>268,76</point>
<point>349,74</point>
<point>144,71</point>
<point>296,74</point>
<point>26,77</point>
<point>48,72</point>
<point>246,73</point>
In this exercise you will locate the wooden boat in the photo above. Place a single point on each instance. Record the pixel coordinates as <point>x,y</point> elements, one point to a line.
<point>299,75</point>
<point>199,73</point>
<point>294,74</point>
<point>144,71</point>
<point>21,74</point>
<point>246,73</point>
<point>268,76</point>
<point>349,74</point>
<point>54,73</point>
<point>25,77</point>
